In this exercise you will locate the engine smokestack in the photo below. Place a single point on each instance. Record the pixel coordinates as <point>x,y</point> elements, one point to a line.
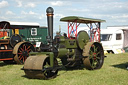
<point>50,22</point>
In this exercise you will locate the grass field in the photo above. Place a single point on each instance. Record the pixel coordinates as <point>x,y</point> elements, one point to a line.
<point>113,72</point>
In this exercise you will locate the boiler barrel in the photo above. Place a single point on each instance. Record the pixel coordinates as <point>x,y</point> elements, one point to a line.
<point>65,52</point>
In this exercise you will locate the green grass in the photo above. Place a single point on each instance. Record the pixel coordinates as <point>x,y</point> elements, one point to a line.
<point>113,72</point>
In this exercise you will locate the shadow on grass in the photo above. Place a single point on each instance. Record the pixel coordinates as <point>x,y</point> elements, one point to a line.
<point>65,70</point>
<point>121,66</point>
<point>7,63</point>
<point>3,64</point>
<point>24,76</point>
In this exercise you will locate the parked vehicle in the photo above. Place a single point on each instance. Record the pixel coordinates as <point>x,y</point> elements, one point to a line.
<point>12,48</point>
<point>34,35</point>
<point>115,39</point>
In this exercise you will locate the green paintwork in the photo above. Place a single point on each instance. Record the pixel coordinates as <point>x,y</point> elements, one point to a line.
<point>80,19</point>
<point>69,43</point>
<point>82,39</point>
<point>26,35</point>
<point>62,52</point>
<point>50,54</point>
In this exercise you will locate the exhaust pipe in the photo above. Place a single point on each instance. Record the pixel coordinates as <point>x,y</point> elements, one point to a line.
<point>50,22</point>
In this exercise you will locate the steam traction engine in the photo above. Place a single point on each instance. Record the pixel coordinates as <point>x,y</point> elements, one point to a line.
<point>73,51</point>
<point>12,48</point>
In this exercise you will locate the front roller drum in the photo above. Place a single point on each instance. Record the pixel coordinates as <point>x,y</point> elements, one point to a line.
<point>94,55</point>
<point>38,67</point>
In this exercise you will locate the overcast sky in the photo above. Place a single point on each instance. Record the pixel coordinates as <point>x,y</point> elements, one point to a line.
<point>115,12</point>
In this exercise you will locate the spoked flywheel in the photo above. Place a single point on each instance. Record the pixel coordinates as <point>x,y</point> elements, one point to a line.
<point>94,55</point>
<point>21,51</point>
<point>39,67</point>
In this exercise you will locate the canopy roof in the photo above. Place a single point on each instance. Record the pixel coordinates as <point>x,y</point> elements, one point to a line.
<point>17,25</point>
<point>80,19</point>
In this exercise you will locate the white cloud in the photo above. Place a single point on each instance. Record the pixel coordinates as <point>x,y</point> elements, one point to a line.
<point>121,21</point>
<point>125,16</point>
<point>19,2</point>
<point>42,16</point>
<point>32,13</point>
<point>32,5</point>
<point>3,18</point>
<point>9,13</point>
<point>3,4</point>
<point>79,10</point>
<point>59,15</point>
<point>57,3</point>
<point>23,12</point>
<point>28,13</point>
<point>120,16</point>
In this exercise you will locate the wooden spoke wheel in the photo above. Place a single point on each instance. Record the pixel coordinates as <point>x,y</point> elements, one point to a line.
<point>21,51</point>
<point>38,67</point>
<point>94,54</point>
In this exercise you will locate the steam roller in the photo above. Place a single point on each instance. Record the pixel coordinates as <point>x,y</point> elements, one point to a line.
<point>74,52</point>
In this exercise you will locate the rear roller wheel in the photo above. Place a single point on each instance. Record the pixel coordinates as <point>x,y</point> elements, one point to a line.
<point>37,67</point>
<point>94,54</point>
<point>21,51</point>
